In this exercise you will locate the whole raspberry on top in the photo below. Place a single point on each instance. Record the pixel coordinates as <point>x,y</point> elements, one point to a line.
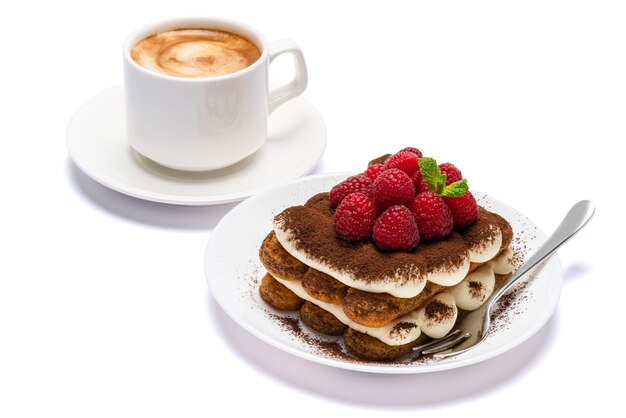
<point>413,150</point>
<point>355,217</point>
<point>432,216</point>
<point>374,171</point>
<point>464,209</point>
<point>393,187</point>
<point>396,230</point>
<point>405,161</point>
<point>413,198</point>
<point>353,184</point>
<point>452,173</point>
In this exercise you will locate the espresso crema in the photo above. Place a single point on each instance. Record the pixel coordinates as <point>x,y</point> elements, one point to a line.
<point>193,53</point>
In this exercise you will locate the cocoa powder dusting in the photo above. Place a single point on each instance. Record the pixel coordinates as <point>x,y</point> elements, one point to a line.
<point>322,345</point>
<point>476,289</point>
<point>437,311</point>
<point>510,305</point>
<point>401,329</point>
<point>486,228</point>
<point>313,224</point>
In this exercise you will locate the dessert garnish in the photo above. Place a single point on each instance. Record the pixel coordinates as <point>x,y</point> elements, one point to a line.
<point>435,196</point>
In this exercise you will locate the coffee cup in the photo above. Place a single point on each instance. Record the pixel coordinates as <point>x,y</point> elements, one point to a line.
<point>200,100</point>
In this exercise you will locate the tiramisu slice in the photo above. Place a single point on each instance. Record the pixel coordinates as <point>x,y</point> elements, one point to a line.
<point>389,258</point>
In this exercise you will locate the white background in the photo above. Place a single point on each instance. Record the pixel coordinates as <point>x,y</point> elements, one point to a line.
<point>104,308</point>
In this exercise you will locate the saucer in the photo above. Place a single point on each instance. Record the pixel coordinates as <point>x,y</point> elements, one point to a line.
<point>96,141</point>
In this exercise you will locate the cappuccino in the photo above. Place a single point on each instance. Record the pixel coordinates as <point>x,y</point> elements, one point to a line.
<point>196,91</point>
<point>193,53</point>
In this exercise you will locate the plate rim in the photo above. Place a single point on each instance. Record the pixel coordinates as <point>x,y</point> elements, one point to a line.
<point>198,200</point>
<point>552,263</point>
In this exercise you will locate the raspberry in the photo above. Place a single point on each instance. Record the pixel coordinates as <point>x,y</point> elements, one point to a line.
<point>432,215</point>
<point>464,209</point>
<point>353,184</point>
<point>419,183</point>
<point>416,179</point>
<point>355,217</point>
<point>413,150</point>
<point>452,173</point>
<point>405,161</point>
<point>374,171</point>
<point>393,187</point>
<point>396,230</point>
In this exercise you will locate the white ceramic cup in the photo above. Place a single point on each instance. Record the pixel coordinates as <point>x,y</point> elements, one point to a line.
<point>205,123</point>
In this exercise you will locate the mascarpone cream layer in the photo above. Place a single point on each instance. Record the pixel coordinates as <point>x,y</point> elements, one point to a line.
<point>469,294</point>
<point>407,280</point>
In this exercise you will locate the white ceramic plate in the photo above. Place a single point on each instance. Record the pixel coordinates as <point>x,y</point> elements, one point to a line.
<point>233,272</point>
<point>96,141</point>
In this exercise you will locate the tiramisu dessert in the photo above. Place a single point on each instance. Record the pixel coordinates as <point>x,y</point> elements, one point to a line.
<point>388,258</point>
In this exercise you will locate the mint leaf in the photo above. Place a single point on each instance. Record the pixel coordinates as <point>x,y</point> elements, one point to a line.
<point>430,171</point>
<point>436,180</point>
<point>456,189</point>
<point>440,182</point>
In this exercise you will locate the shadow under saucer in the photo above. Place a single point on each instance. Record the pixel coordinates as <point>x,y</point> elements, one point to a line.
<point>144,211</point>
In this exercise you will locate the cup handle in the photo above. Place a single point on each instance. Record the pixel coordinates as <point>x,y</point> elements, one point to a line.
<point>295,87</point>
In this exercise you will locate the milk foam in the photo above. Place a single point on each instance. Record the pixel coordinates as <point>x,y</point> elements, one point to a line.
<point>192,53</point>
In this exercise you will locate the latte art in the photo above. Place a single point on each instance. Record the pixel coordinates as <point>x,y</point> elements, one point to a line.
<point>195,53</point>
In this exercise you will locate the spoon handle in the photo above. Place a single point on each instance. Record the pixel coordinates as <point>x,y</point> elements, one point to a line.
<point>576,218</point>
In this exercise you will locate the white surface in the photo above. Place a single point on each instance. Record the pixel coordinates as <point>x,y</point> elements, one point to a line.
<point>97,144</point>
<point>232,269</point>
<point>104,307</point>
